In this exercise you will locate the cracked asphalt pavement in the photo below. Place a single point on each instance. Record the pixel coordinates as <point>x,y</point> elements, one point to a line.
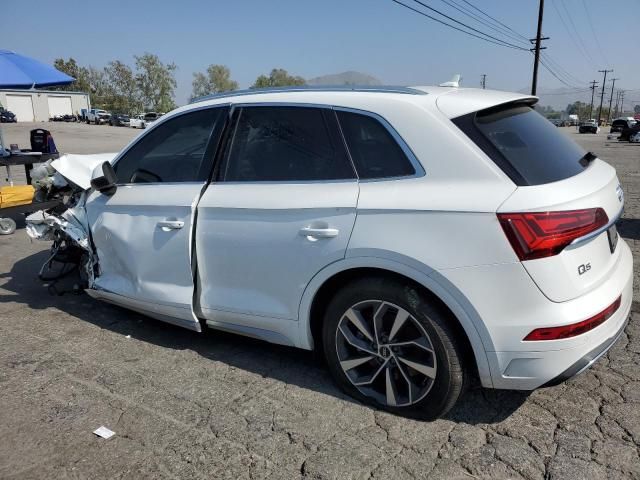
<point>215,405</point>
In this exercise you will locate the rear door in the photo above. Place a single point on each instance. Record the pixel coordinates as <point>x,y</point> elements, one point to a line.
<point>560,217</point>
<point>142,233</point>
<point>281,209</point>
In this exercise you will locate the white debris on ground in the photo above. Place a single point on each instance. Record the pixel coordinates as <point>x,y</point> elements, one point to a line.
<point>104,432</point>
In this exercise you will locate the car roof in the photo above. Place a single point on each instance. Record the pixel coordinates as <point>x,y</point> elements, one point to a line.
<point>452,101</point>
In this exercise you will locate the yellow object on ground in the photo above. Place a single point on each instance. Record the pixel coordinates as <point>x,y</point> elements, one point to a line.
<point>14,196</point>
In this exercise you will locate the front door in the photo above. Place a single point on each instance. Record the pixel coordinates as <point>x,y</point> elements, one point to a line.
<point>142,233</point>
<point>281,209</point>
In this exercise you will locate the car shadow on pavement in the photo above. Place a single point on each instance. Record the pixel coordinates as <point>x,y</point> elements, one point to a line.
<point>285,364</point>
<point>629,228</point>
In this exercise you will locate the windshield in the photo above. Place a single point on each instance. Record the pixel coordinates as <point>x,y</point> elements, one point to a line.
<point>524,144</point>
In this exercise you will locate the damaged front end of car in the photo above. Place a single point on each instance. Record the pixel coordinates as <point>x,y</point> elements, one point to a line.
<point>68,180</point>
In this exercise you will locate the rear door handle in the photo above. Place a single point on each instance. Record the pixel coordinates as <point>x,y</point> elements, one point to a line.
<point>319,232</point>
<point>167,225</point>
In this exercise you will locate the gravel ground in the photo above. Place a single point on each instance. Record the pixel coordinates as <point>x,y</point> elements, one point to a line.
<point>215,405</point>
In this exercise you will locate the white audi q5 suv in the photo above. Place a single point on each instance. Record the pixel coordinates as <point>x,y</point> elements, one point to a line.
<point>415,236</point>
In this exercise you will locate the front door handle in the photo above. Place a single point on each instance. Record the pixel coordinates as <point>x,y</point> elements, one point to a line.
<point>319,232</point>
<point>167,225</point>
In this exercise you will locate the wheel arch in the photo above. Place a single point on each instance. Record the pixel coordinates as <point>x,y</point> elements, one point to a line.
<point>325,283</point>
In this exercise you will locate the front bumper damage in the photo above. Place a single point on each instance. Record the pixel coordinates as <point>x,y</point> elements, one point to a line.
<point>68,180</point>
<point>71,244</point>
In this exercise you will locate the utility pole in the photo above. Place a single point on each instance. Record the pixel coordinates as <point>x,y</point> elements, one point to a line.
<point>617,102</point>
<point>613,84</point>
<point>622,102</point>
<point>537,41</point>
<point>483,82</point>
<point>593,89</point>
<point>604,83</point>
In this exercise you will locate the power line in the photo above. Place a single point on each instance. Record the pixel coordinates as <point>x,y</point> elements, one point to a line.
<point>568,76</point>
<point>554,74</point>
<point>578,36</point>
<point>501,43</point>
<point>573,39</point>
<point>494,19</point>
<point>568,92</point>
<point>477,18</point>
<point>550,65</point>
<point>593,30</point>
<point>465,25</point>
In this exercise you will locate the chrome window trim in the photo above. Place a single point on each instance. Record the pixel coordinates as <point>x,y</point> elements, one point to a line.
<point>163,119</point>
<point>417,166</point>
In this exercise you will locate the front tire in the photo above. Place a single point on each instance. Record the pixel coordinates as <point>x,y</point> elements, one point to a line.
<point>391,346</point>
<point>7,226</point>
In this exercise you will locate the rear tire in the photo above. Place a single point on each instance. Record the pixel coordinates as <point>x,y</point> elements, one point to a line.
<point>389,345</point>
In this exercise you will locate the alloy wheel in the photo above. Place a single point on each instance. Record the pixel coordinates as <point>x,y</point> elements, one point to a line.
<point>386,353</point>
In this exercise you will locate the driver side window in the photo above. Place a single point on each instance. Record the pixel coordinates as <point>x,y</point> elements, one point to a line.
<point>173,151</point>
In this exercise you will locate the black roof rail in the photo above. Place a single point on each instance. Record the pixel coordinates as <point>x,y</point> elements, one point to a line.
<point>310,88</point>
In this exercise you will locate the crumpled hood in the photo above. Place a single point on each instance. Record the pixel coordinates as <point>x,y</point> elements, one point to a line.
<point>78,168</point>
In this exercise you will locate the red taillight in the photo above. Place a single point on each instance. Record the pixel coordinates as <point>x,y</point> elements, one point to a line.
<point>568,331</point>
<point>544,234</point>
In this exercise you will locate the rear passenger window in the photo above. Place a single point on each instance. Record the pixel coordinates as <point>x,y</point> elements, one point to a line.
<point>374,151</point>
<point>286,144</point>
<point>171,152</point>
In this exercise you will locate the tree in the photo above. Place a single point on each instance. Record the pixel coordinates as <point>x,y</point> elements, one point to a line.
<point>278,78</point>
<point>581,109</point>
<point>216,80</point>
<point>97,86</point>
<point>71,68</point>
<point>156,82</point>
<point>547,111</point>
<point>121,88</point>
<point>636,109</point>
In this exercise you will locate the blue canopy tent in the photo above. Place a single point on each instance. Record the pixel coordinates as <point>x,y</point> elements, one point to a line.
<point>18,71</point>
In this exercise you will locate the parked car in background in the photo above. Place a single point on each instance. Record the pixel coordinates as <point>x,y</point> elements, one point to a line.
<point>619,124</point>
<point>590,126</point>
<point>628,134</point>
<point>417,237</point>
<point>64,118</point>
<point>119,120</point>
<point>144,120</point>
<point>137,121</point>
<point>98,116</point>
<point>151,117</point>
<point>7,117</point>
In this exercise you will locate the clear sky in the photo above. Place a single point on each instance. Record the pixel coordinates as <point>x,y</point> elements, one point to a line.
<point>316,37</point>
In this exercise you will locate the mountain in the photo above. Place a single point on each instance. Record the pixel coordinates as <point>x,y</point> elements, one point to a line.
<point>345,78</point>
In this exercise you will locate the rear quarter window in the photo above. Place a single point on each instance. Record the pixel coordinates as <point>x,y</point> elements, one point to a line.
<point>524,144</point>
<point>374,151</point>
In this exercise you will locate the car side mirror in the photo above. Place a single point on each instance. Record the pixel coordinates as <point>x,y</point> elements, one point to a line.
<point>104,178</point>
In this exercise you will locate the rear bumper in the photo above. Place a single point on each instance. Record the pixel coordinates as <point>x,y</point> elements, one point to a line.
<point>588,360</point>
<point>508,305</point>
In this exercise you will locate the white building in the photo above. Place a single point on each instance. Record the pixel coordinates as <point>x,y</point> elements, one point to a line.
<point>41,105</point>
